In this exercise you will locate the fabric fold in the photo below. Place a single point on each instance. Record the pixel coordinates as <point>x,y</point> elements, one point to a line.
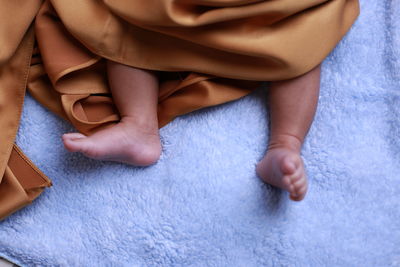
<point>22,182</point>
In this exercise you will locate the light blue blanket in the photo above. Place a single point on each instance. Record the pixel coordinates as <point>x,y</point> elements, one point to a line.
<point>202,204</point>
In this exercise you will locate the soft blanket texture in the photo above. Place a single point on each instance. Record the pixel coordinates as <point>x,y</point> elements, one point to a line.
<point>202,204</point>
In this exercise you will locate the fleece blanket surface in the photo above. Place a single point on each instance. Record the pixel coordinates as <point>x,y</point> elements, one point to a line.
<point>202,203</point>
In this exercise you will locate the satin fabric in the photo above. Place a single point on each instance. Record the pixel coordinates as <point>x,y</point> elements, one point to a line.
<point>208,52</point>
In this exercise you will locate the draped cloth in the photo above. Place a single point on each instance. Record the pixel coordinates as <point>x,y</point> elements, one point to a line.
<point>208,52</point>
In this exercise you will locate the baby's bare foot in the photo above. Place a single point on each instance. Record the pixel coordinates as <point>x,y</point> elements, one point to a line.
<point>125,142</point>
<point>284,168</point>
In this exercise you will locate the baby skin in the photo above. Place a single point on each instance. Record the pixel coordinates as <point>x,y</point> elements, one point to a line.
<point>135,139</point>
<point>292,105</point>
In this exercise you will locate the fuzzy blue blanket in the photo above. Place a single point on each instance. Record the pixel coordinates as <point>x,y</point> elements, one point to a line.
<point>202,204</point>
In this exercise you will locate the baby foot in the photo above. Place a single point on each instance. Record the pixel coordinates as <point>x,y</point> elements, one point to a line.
<point>124,142</point>
<point>284,168</point>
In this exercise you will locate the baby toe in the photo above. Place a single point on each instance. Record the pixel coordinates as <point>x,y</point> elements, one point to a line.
<point>298,180</point>
<point>296,197</point>
<point>70,145</point>
<point>73,136</point>
<point>287,183</point>
<point>299,193</point>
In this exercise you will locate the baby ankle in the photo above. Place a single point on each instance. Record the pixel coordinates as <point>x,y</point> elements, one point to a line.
<point>144,124</point>
<point>287,141</point>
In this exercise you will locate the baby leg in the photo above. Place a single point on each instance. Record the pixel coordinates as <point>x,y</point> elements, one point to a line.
<point>292,105</point>
<point>135,139</point>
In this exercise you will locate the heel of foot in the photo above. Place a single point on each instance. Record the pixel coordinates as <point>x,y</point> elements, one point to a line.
<point>147,157</point>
